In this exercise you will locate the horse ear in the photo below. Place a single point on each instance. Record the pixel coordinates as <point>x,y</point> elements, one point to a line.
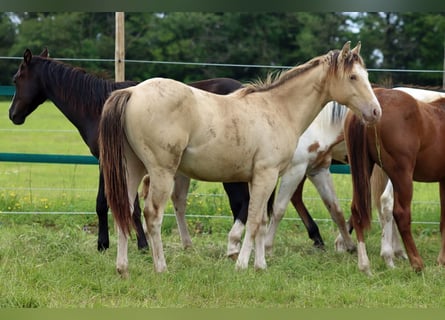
<point>27,56</point>
<point>356,50</point>
<point>346,50</point>
<point>44,53</point>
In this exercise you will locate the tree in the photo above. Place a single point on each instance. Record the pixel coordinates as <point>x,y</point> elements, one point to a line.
<point>7,39</point>
<point>389,40</point>
<point>405,41</point>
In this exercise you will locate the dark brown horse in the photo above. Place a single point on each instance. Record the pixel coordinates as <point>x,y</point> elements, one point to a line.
<point>408,143</point>
<point>80,97</point>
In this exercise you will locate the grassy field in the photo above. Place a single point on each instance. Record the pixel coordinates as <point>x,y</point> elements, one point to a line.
<point>50,260</point>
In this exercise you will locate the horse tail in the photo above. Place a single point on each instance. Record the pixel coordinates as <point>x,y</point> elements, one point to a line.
<point>112,158</point>
<point>379,179</point>
<point>356,142</point>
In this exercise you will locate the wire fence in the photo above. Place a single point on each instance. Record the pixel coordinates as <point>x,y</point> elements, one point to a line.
<point>226,65</point>
<point>201,64</point>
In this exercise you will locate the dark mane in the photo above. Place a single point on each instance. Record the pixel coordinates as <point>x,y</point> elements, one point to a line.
<point>274,80</point>
<point>85,91</point>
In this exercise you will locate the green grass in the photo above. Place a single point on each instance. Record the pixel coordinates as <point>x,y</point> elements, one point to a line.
<point>50,260</point>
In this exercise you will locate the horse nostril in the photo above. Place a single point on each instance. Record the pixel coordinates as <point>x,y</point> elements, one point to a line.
<point>376,112</point>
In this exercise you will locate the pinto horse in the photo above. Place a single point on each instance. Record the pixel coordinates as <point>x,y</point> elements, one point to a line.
<point>163,127</point>
<point>407,143</point>
<point>80,97</point>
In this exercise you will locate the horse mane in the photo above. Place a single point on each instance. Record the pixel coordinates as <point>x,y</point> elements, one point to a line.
<point>276,78</point>
<point>85,91</point>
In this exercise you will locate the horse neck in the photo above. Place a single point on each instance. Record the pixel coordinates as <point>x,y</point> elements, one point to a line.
<point>303,97</point>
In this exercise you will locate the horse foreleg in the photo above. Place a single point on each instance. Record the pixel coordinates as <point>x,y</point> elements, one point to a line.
<point>322,181</point>
<point>262,186</point>
<point>179,199</point>
<point>441,257</point>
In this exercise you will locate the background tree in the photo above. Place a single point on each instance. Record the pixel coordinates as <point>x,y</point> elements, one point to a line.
<point>390,40</point>
<point>7,39</point>
<point>403,41</point>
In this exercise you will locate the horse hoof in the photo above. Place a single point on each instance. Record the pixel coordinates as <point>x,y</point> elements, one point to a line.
<point>102,246</point>
<point>352,249</point>
<point>123,273</point>
<point>188,246</point>
<point>144,250</point>
<point>233,256</point>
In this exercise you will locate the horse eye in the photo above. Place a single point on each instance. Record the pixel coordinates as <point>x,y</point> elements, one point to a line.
<point>352,77</point>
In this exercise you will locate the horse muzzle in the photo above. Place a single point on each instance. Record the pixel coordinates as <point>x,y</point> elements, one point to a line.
<point>15,118</point>
<point>373,116</point>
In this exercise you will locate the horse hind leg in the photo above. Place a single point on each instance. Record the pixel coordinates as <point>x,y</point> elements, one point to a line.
<point>140,234</point>
<point>386,222</point>
<point>441,257</point>
<point>383,198</point>
<point>322,181</point>
<point>403,191</point>
<point>161,186</point>
<point>179,199</point>
<point>135,173</point>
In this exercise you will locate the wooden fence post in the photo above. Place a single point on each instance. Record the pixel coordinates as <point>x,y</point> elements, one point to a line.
<point>120,47</point>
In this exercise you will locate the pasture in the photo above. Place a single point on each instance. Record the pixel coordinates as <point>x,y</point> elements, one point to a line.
<point>51,260</point>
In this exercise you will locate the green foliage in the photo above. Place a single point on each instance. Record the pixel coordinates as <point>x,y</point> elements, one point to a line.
<point>57,266</point>
<point>390,40</point>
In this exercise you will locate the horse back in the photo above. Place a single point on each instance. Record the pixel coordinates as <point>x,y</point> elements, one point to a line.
<point>181,126</point>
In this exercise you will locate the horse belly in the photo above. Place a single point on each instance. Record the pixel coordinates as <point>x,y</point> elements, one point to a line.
<point>229,166</point>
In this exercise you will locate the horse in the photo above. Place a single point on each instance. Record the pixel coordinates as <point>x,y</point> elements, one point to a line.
<point>162,127</point>
<point>382,191</point>
<point>407,145</point>
<point>80,97</point>
<point>322,142</point>
<point>311,158</point>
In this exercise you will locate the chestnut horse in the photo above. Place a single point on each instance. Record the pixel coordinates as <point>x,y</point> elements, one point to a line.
<point>407,144</point>
<point>163,127</point>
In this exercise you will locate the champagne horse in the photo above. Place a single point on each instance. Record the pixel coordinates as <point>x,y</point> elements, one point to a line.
<point>163,127</point>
